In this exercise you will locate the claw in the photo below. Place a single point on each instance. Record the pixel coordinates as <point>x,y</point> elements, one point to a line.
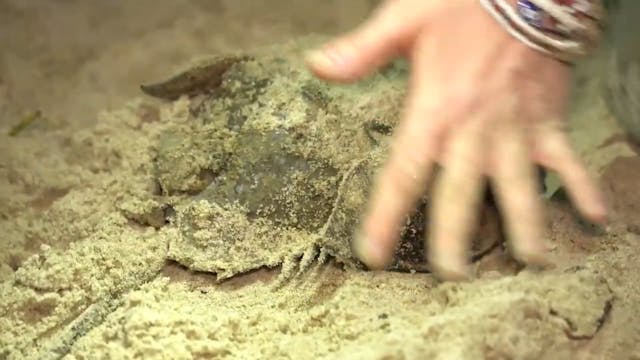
<point>313,257</point>
<point>288,270</point>
<point>323,257</point>
<point>308,259</point>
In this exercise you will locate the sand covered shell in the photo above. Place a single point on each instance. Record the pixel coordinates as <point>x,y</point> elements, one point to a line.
<point>279,165</point>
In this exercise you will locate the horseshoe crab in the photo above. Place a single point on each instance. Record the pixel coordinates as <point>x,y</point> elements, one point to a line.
<point>278,165</point>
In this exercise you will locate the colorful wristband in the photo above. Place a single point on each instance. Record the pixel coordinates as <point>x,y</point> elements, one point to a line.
<point>564,29</point>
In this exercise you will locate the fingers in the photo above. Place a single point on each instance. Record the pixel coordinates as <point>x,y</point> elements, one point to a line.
<point>555,152</point>
<point>373,44</point>
<point>401,181</point>
<point>456,198</point>
<point>518,194</point>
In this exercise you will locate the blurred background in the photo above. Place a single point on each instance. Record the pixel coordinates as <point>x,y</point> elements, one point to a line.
<point>72,58</point>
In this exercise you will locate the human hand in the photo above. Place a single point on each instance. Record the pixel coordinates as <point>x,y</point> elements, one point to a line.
<point>481,104</point>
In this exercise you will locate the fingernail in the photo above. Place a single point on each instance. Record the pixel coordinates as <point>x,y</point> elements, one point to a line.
<point>377,254</point>
<point>602,213</point>
<point>369,252</point>
<point>448,271</point>
<point>324,58</point>
<point>459,275</point>
<point>535,257</point>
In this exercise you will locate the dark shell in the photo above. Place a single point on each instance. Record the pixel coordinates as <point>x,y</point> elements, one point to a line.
<point>289,162</point>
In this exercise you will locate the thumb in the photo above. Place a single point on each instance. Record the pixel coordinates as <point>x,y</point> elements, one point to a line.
<point>374,43</point>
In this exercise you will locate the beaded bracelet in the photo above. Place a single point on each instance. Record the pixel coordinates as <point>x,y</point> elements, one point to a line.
<point>564,29</point>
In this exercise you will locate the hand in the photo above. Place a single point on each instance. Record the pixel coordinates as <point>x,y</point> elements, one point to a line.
<point>482,105</point>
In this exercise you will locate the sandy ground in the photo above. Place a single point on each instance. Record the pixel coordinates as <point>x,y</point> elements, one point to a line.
<point>83,256</point>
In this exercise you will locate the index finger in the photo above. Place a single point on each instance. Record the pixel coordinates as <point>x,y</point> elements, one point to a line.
<point>401,180</point>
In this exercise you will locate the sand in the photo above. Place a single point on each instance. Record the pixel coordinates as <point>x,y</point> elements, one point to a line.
<point>87,267</point>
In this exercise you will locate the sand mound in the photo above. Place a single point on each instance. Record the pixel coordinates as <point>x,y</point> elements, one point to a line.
<point>94,260</point>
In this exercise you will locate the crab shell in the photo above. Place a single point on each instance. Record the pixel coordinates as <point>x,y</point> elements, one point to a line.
<point>278,166</point>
